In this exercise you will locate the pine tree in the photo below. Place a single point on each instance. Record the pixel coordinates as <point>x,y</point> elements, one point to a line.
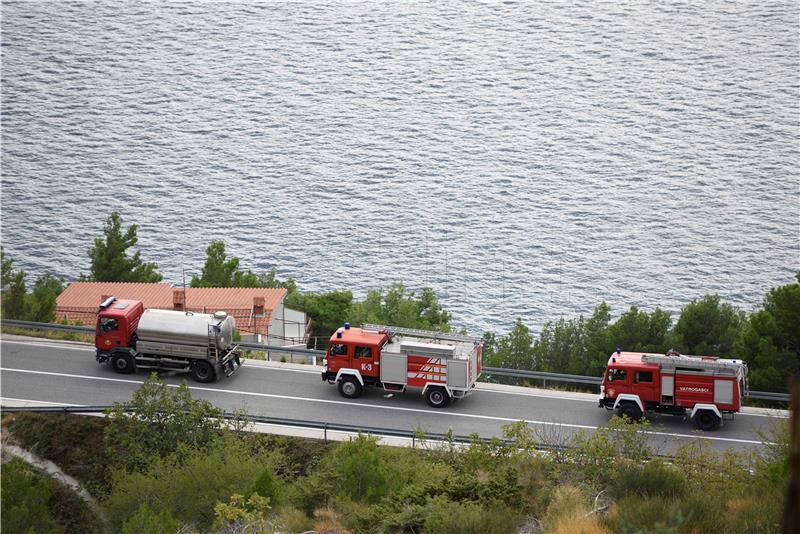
<point>218,271</point>
<point>109,258</point>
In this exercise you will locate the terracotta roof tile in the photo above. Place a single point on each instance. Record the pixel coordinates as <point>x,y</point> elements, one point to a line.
<point>79,301</point>
<point>89,294</point>
<point>232,297</point>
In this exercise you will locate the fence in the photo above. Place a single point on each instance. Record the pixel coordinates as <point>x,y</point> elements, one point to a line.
<point>311,354</point>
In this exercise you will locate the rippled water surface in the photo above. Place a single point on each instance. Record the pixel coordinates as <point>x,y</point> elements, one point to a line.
<point>522,159</point>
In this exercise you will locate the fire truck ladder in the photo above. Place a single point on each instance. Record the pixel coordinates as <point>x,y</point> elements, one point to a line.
<point>393,330</point>
<point>705,363</point>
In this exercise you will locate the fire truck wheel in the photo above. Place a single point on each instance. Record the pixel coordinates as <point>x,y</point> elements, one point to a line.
<point>122,363</point>
<point>706,420</point>
<point>631,410</point>
<point>202,371</point>
<point>437,397</point>
<point>349,387</point>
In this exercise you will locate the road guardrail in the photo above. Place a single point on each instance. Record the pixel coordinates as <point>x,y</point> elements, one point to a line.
<point>314,354</point>
<point>413,435</point>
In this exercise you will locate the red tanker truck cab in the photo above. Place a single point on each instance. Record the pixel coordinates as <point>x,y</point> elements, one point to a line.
<point>710,388</point>
<point>129,337</point>
<point>445,367</point>
<point>116,324</point>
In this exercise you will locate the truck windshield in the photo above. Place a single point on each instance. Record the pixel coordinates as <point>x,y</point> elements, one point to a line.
<point>617,374</point>
<point>108,325</point>
<point>338,348</point>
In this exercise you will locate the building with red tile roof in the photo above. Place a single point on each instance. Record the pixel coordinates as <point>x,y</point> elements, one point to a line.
<point>258,311</point>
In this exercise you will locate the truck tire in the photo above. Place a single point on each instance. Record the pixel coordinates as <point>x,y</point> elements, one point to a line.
<point>706,420</point>
<point>631,410</point>
<point>122,363</point>
<point>437,397</point>
<point>350,387</point>
<point>203,372</point>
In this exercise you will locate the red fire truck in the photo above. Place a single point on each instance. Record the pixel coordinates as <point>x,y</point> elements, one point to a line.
<point>635,383</point>
<point>445,366</point>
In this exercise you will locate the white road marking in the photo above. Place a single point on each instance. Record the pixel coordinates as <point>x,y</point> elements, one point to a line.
<point>778,413</point>
<point>379,407</point>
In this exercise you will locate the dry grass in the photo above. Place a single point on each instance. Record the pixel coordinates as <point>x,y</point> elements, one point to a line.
<point>328,521</point>
<point>578,525</point>
<point>568,513</point>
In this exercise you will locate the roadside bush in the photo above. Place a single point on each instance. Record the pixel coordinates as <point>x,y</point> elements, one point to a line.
<point>569,513</point>
<point>442,516</point>
<point>294,520</point>
<point>726,474</point>
<point>595,459</point>
<point>301,456</point>
<point>158,420</point>
<point>535,483</point>
<point>245,515</point>
<point>269,486</point>
<point>147,521</point>
<point>33,502</point>
<point>773,461</point>
<point>360,469</point>
<point>634,515</point>
<point>71,511</point>
<point>25,497</point>
<point>73,442</point>
<point>652,479</point>
<point>762,511</point>
<point>311,492</point>
<point>188,483</point>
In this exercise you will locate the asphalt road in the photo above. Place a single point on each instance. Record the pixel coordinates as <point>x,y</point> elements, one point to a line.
<point>67,373</point>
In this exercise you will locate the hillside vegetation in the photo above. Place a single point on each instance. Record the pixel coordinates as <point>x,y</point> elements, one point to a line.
<point>178,467</point>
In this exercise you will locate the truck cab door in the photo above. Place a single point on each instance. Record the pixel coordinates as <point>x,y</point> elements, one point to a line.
<point>339,357</point>
<point>618,381</point>
<point>364,360</point>
<point>645,385</point>
<point>109,333</point>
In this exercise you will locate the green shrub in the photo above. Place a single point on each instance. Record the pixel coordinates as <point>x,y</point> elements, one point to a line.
<point>246,515</point>
<point>294,520</point>
<point>311,492</point>
<point>595,459</point>
<point>148,521</point>
<point>74,442</point>
<point>163,418</point>
<point>635,515</point>
<point>360,469</point>
<point>25,497</point>
<point>188,483</point>
<point>33,502</point>
<point>759,512</point>
<point>446,517</point>
<point>71,512</point>
<point>652,479</point>
<point>269,486</point>
<point>535,479</point>
<point>726,474</point>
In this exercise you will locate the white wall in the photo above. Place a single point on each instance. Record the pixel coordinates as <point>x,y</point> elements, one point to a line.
<point>287,326</point>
